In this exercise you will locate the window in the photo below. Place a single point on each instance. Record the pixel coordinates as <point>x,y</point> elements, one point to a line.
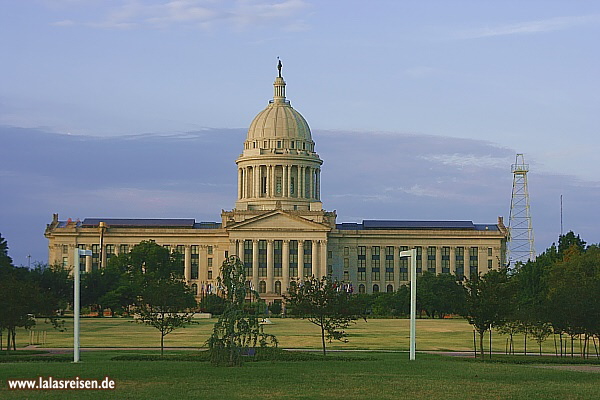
<point>209,262</point>
<point>195,261</point>
<point>389,289</point>
<point>346,276</point>
<point>195,289</point>
<point>473,261</point>
<point>362,263</point>
<point>292,185</point>
<point>279,144</point>
<point>292,144</point>
<point>210,276</point>
<point>277,257</point>
<point>180,251</point>
<point>95,256</point>
<point>419,259</point>
<point>110,251</point>
<point>65,249</point>
<point>490,264</point>
<point>307,258</point>
<point>248,257</point>
<point>459,262</point>
<point>263,185</point>
<point>262,258</point>
<point>375,263</point>
<point>403,265</point>
<point>361,288</point>
<point>489,251</point>
<point>278,185</point>
<point>445,260</point>
<point>431,250</point>
<point>375,288</point>
<point>389,263</point>
<point>65,261</point>
<point>123,249</point>
<point>277,287</point>
<point>329,254</point>
<point>346,251</point>
<point>81,258</point>
<point>262,287</point>
<point>209,249</point>
<point>294,258</point>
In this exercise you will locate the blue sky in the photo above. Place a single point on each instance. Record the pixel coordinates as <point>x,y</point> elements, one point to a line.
<point>486,78</point>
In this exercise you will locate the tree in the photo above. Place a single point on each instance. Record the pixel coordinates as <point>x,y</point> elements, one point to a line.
<point>439,294</point>
<point>487,302</point>
<point>211,303</point>
<point>326,304</point>
<point>236,330</point>
<point>150,277</point>
<point>5,260</point>
<point>163,304</point>
<point>21,301</point>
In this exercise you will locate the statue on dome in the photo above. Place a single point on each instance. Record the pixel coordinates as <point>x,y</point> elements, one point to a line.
<point>279,65</point>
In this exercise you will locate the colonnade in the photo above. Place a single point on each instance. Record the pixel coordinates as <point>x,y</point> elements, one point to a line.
<point>276,180</point>
<point>278,262</point>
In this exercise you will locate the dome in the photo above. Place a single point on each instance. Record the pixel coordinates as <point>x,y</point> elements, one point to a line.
<point>279,120</point>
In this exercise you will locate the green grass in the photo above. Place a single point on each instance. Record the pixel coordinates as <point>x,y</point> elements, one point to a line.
<point>381,376</point>
<point>375,334</point>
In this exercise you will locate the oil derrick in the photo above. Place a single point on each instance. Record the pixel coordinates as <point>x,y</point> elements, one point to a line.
<point>520,231</point>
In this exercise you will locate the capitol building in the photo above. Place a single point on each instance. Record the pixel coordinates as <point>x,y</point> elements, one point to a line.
<point>279,228</point>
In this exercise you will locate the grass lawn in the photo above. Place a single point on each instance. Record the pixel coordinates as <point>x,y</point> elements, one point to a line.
<point>382,376</point>
<point>375,334</point>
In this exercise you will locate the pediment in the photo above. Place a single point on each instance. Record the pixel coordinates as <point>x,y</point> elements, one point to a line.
<point>279,220</point>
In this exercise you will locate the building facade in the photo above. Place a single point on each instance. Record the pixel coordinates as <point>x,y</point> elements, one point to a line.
<point>279,229</point>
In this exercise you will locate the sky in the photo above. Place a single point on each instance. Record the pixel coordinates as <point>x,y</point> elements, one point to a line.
<point>426,102</point>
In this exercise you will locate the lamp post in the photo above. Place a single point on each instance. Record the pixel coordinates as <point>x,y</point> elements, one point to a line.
<point>413,298</point>
<point>76,298</point>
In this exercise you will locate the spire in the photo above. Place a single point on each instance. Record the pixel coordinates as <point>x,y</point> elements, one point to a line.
<point>279,86</point>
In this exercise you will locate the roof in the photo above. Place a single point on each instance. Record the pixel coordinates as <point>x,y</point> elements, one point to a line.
<point>139,222</point>
<point>373,224</point>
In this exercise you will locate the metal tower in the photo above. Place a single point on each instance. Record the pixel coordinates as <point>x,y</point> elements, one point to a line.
<point>520,245</point>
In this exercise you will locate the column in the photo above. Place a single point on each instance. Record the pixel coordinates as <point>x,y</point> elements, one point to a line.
<point>270,266</point>
<point>103,256</point>
<point>300,260</point>
<point>453,260</point>
<point>324,260</point>
<point>438,260</point>
<point>315,259</point>
<point>285,284</point>
<point>369,262</point>
<point>396,267</point>
<point>187,263</point>
<point>240,249</point>
<point>318,184</point>
<point>270,181</point>
<point>255,264</point>
<point>284,181</point>
<point>256,182</point>
<point>202,264</point>
<point>382,268</point>
<point>301,181</point>
<point>88,260</point>
<point>240,184</point>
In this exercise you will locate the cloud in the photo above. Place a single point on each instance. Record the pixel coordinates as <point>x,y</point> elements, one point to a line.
<point>531,27</point>
<point>204,14</point>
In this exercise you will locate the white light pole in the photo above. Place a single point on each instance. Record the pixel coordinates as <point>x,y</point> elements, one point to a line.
<point>413,299</point>
<point>76,296</point>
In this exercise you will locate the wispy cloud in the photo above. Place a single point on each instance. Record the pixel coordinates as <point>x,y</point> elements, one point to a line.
<point>531,27</point>
<point>203,14</point>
